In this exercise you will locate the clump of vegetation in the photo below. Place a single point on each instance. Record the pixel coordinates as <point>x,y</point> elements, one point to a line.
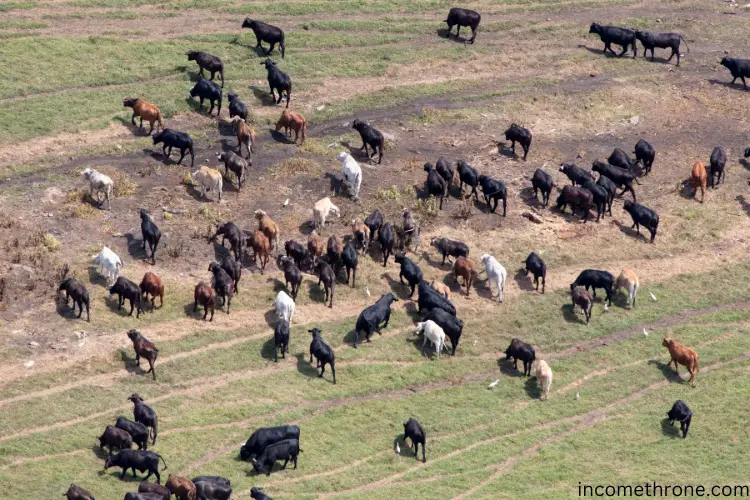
<point>465,209</point>
<point>296,165</point>
<point>78,205</point>
<point>124,185</point>
<point>389,194</point>
<point>51,243</point>
<point>427,208</point>
<point>187,179</point>
<point>176,250</point>
<point>209,214</point>
<point>168,217</point>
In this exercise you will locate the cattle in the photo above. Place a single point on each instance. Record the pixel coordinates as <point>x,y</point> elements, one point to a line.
<point>151,233</point>
<point>156,490</point>
<point>230,231</point>
<point>99,183</point>
<point>351,172</point>
<point>210,63</point>
<point>138,432</point>
<point>576,197</point>
<point>115,438</point>
<point>620,158</point>
<point>261,249</point>
<point>181,487</point>
<point>718,161</point>
<point>627,280</point>
<point>543,377</point>
<point>280,340</point>
<point>595,279</point>
<point>236,164</point>
<point>452,326</point>
<point>258,494</point>
<point>387,240</point>
<point>441,288</point>
<point>374,222</point>
<point>266,436</point>
<point>321,210</point>
<point>493,190</point>
<point>278,81</point>
<point>205,296</point>
<point>76,290</point>
<point>611,189</point>
<point>333,252</point>
<point>645,153</point>
<point>350,261</point>
<point>175,139</point>
<point>542,182</point>
<point>582,298</point>
<point>662,41</point>
<point>449,248</point>
<point>327,276</point>
<point>682,414</point>
<point>682,355</point>
<point>495,273</point>
<point>222,283</point>
<point>266,33</point>
<point>153,285</point>
<point>600,197</point>
<point>519,350</point>
<point>212,490</point>
<point>469,176</point>
<point>413,430</point>
<point>233,269</point>
<point>127,290</point>
<point>445,169</point>
<point>411,231</point>
<point>619,36</point>
<point>642,216</point>
<point>517,133</point>
<point>205,89</point>
<point>621,177</point>
<point>410,271</point>
<point>372,317</point>
<point>284,307</point>
<point>370,137</point>
<point>296,251</point>
<point>211,479</point>
<point>283,450</point>
<point>75,492</point>
<point>739,68</point>
<point>322,352</point>
<point>107,259</point>
<point>429,299</point>
<point>269,228</point>
<point>434,185</point>
<point>208,179</point>
<point>144,109</point>
<point>432,333</point>
<point>576,174</point>
<point>465,269</point>
<point>245,135</point>
<point>139,460</point>
<point>143,496</point>
<point>292,276</point>
<point>698,179</point>
<point>459,17</point>
<point>292,121</point>
<point>361,235</point>
<point>538,268</point>
<point>144,414</point>
<point>236,107</point>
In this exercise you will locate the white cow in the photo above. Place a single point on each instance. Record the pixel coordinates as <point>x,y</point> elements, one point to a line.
<point>107,259</point>
<point>208,179</point>
<point>351,171</point>
<point>544,377</point>
<point>98,183</point>
<point>284,307</point>
<point>322,209</point>
<point>433,333</point>
<point>495,272</point>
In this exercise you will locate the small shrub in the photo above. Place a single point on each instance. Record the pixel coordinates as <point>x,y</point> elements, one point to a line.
<point>465,209</point>
<point>427,207</point>
<point>51,243</point>
<point>187,179</point>
<point>168,216</point>
<point>176,250</point>
<point>209,214</point>
<point>390,194</point>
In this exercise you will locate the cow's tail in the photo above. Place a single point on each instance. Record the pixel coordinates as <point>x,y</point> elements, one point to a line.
<point>686,45</point>
<point>165,463</point>
<point>304,129</point>
<point>281,45</point>
<point>160,119</point>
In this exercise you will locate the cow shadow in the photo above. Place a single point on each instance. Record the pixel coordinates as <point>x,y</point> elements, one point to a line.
<point>193,76</point>
<point>531,386</point>
<point>135,129</point>
<point>65,311</point>
<point>279,136</point>
<point>448,35</point>
<point>686,190</point>
<point>527,195</point>
<point>308,369</point>
<point>525,283</point>
<point>744,204</point>
<point>745,163</point>
<point>115,475</point>
<point>404,449</point>
<point>504,149</point>
<point>727,84</point>
<point>220,251</point>
<point>130,364</point>
<point>506,367</point>
<point>268,349</point>
<point>629,231</point>
<point>315,292</point>
<point>398,288</point>
<point>198,314</point>
<point>599,52</point>
<point>135,247</point>
<point>226,129</point>
<point>271,318</point>
<point>435,263</point>
<point>308,227</point>
<point>668,371</point>
<point>659,60</point>
<point>113,302</point>
<point>100,452</point>
<point>670,429</point>
<point>338,186</point>
<point>95,278</point>
<point>263,95</point>
<point>570,316</point>
<point>158,155</point>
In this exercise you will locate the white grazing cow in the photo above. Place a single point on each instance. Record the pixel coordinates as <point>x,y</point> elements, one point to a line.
<point>351,171</point>
<point>629,281</point>
<point>433,333</point>
<point>284,307</point>
<point>208,179</point>
<point>543,377</point>
<point>495,272</point>
<point>322,209</point>
<point>107,259</point>
<point>98,183</point>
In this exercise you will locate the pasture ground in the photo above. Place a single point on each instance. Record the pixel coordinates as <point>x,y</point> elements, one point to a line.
<point>67,65</point>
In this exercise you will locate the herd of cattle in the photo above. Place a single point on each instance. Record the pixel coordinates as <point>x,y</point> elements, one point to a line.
<point>439,318</point>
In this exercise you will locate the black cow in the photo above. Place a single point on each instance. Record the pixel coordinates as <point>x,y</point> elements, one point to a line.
<point>212,490</point>
<point>452,326</point>
<point>210,63</point>
<point>410,271</point>
<point>619,36</point>
<point>413,430</point>
<point>292,275</point>
<point>374,221</point>
<point>327,276</point>
<point>682,414</point>
<point>576,197</point>
<point>296,251</point>
<point>523,351</point>
<point>322,352</point>
<point>266,436</point>
<point>370,319</point>
<point>450,248</point>
<point>222,283</point>
<point>576,174</point>
<point>621,177</point>
<point>144,414</point>
<point>445,169</point>
<point>718,161</point>
<point>517,133</point>
<point>429,299</point>
<point>620,158</point>
<point>236,107</point>
<point>258,494</point>
<point>611,189</point>
<point>538,268</point>
<point>139,460</point>
<point>126,289</point>
<point>233,269</point>
<point>115,437</point>
<point>175,139</point>
<point>595,279</point>
<point>645,153</point>
<point>542,182</point>
<point>280,339</point>
<point>642,216</point>
<point>434,185</point>
<point>151,233</point>
<point>350,260</point>
<point>600,197</point>
<point>283,450</point>
<point>387,240</point>
<point>278,81</point>
<point>370,137</point>
<point>206,89</point>
<point>662,41</point>
<point>75,289</point>
<point>266,33</point>
<point>463,17</point>
<point>142,496</point>
<point>230,231</point>
<point>739,68</point>
<point>493,190</point>
<point>469,176</point>
<point>137,431</point>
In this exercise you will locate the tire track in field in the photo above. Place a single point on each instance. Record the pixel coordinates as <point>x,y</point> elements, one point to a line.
<point>41,458</point>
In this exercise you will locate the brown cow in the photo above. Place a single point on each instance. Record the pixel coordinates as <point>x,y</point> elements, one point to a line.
<point>682,355</point>
<point>261,249</point>
<point>441,288</point>
<point>145,110</point>
<point>152,285</point>
<point>75,492</point>
<point>245,135</point>
<point>698,179</point>
<point>464,268</point>
<point>205,296</point>
<point>291,120</point>
<point>181,487</point>
<point>269,228</point>
<point>315,246</point>
<point>145,349</point>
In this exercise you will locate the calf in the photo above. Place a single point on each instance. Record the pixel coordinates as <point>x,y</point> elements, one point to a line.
<point>210,63</point>
<point>284,307</point>
<point>222,283</point>
<point>138,432</point>
<point>445,169</point>
<point>98,183</point>
<point>266,436</point>
<point>245,135</point>
<point>413,430</point>
<point>682,355</point>
<point>175,139</point>
<point>519,350</point>
<point>126,289</point>
<point>145,349</point>
<point>292,121</point>
<point>682,414</point>
<point>698,179</point>
<point>233,269</point>
<point>495,272</point>
<point>516,133</point>
<point>739,68</point>
<point>115,438</point>
<point>351,172</point>
<point>261,249</point>
<point>350,261</point>
<point>493,190</point>
<point>387,240</point>
<point>370,137</point>
<point>611,189</point>
<point>538,268</point>
<point>181,487</point>
<point>258,494</point>
<point>544,378</point>
<point>464,268</point>
<point>206,89</point>
<point>452,326</point>
<point>107,259</point>
<point>432,333</point>
<point>374,222</point>
<point>645,153</point>
<point>429,299</point>
<point>283,450</point>
<point>209,179</point>
<point>576,197</point>
<point>333,252</point>
<point>205,296</point>
<point>236,164</point>
<point>642,215</point>
<point>151,233</point>
<point>543,182</point>
<point>156,490</point>
<point>434,185</point>
<point>370,319</point>
<point>576,174</point>
<point>292,276</point>
<point>620,177</point>
<point>236,107</point>
<point>144,414</point>
<point>139,460</point>
<point>463,17</point>
<point>280,339</point>
<point>151,284</point>
<point>230,231</point>
<point>144,109</point>
<point>296,251</point>
<point>600,197</point>
<point>619,36</point>
<point>322,352</point>
<point>595,279</point>
<point>269,228</point>
<point>410,271</point>
<point>662,41</point>
<point>718,161</point>
<point>467,175</point>
<point>278,81</point>
<point>327,277</point>
<point>441,288</point>
<point>266,33</point>
<point>450,248</point>
<point>321,210</point>
<point>75,492</point>
<point>75,289</point>
<point>629,281</point>
<point>582,298</point>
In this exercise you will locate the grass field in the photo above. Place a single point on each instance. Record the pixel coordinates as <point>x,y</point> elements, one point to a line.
<point>67,65</point>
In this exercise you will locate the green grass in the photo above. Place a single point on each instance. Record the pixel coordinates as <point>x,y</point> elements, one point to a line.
<point>22,25</point>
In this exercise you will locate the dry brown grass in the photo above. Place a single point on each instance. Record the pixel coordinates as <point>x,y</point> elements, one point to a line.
<point>295,166</point>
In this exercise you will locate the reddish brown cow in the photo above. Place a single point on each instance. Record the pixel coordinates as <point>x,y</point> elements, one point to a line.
<point>291,120</point>
<point>315,246</point>
<point>154,286</point>
<point>682,355</point>
<point>145,349</point>
<point>144,110</point>
<point>205,296</point>
<point>181,487</point>
<point>698,179</point>
<point>464,268</point>
<point>261,249</point>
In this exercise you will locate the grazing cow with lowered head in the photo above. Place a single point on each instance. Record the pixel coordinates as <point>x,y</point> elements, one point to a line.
<point>432,334</point>
<point>452,326</point>
<point>493,191</point>
<point>127,290</point>
<point>230,231</point>
<point>152,285</point>
<point>144,109</point>
<point>523,351</point>
<point>144,414</point>
<point>698,179</point>
<point>139,432</point>
<point>583,299</point>
<point>434,185</point>
<point>627,280</point>
<point>209,179</point>
<point>517,133</point>
<point>619,36</point>
<point>429,299</point>
<point>739,68</point>
<point>621,177</point>
<point>450,248</point>
<point>682,414</point>
<point>292,121</point>
<point>266,436</point>
<point>459,17</point>
<point>682,355</point>
<point>181,487</point>
<point>718,161</point>
<point>283,450</point>
<point>98,183</point>
<point>662,41</point>
<point>543,377</point>
<point>280,340</point>
<point>350,261</point>
<point>322,352</point>
<point>413,430</point>
<point>372,317</point>
<point>75,289</point>
<point>115,438</point>
<point>278,81</point>
<point>236,106</point>
<point>642,215</point>
<point>206,89</point>
<point>445,169</point>
<point>261,249</point>
<point>206,296</point>
<point>266,33</point>
<point>538,268</point>
<point>576,174</point>
<point>370,137</point>
<point>151,233</point>
<point>145,349</point>
<point>236,164</point>
<point>469,176</point>
<point>542,182</point>
<point>210,63</point>
<point>222,283</point>
<point>645,153</point>
<point>495,273</point>
<point>576,197</point>
<point>595,279</point>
